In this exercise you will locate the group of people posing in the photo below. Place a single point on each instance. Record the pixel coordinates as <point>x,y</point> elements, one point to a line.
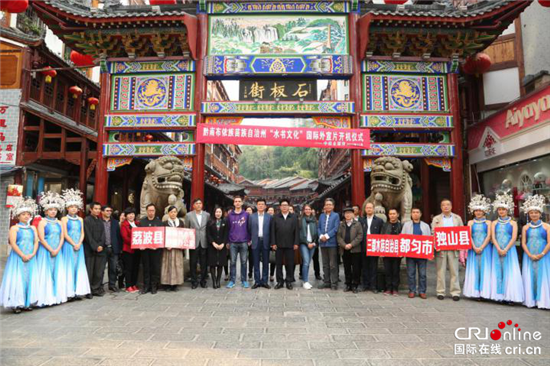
<point>57,260</point>
<point>492,266</point>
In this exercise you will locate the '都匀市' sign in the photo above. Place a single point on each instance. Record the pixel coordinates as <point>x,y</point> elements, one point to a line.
<point>280,136</point>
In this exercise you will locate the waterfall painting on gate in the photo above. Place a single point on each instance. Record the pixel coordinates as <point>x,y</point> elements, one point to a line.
<point>278,35</point>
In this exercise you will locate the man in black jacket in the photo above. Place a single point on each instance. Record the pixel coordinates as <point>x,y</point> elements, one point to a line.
<point>113,245</point>
<point>285,238</point>
<point>151,258</point>
<point>94,245</point>
<point>372,225</point>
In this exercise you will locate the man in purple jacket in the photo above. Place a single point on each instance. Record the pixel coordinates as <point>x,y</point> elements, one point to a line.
<point>239,240</point>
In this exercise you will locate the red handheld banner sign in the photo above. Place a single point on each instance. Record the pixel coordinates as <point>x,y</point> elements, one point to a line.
<point>147,237</point>
<point>403,245</point>
<point>453,238</point>
<point>281,136</point>
<point>180,238</point>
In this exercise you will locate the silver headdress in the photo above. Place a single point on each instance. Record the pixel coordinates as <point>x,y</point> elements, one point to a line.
<point>535,202</point>
<point>24,205</point>
<point>73,197</point>
<point>504,201</point>
<point>51,200</point>
<point>479,202</point>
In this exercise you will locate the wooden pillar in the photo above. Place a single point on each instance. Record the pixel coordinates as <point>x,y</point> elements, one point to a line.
<point>357,173</point>
<point>101,174</point>
<point>457,163</point>
<point>82,183</point>
<point>197,177</point>
<point>425,181</point>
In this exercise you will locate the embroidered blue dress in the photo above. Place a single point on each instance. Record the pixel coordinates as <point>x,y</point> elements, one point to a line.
<point>478,266</point>
<point>58,267</point>
<point>76,263</point>
<point>19,284</point>
<point>506,282</point>
<point>536,274</point>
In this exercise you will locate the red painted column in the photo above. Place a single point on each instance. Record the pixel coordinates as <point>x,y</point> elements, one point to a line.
<point>357,173</point>
<point>457,163</point>
<point>197,177</point>
<point>101,175</point>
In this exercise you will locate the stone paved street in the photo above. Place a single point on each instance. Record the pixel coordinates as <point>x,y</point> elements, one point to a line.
<point>263,327</point>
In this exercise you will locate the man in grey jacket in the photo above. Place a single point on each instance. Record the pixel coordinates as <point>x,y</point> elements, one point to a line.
<point>416,227</point>
<point>198,220</point>
<point>444,258</point>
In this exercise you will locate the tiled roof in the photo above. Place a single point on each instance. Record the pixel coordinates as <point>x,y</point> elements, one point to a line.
<point>305,185</point>
<point>441,9</point>
<point>19,36</point>
<point>77,8</point>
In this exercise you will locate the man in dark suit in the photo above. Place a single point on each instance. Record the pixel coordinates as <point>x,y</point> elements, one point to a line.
<point>113,245</point>
<point>285,238</point>
<point>94,245</point>
<point>259,224</point>
<point>371,225</point>
<point>198,220</point>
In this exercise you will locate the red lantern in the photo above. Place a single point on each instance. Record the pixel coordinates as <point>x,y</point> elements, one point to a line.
<point>93,102</point>
<point>14,6</point>
<point>75,91</point>
<point>395,2</point>
<point>49,74</point>
<point>545,3</point>
<point>148,137</point>
<point>162,2</point>
<point>477,64</point>
<point>81,60</point>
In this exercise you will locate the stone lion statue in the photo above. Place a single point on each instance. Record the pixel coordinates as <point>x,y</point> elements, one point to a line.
<point>391,187</point>
<point>163,185</point>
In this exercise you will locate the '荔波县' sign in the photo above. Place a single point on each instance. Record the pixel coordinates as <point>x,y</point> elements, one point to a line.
<point>163,237</point>
<point>419,246</point>
<point>281,136</point>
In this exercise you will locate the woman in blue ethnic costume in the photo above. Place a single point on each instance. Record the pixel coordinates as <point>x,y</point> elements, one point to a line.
<point>477,282</point>
<point>535,240</point>
<point>506,282</point>
<point>50,257</point>
<point>19,289</point>
<point>78,284</point>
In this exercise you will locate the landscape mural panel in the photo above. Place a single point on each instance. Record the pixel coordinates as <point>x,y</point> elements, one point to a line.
<point>278,34</point>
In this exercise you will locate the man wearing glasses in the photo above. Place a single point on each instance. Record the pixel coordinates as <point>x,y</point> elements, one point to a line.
<point>113,245</point>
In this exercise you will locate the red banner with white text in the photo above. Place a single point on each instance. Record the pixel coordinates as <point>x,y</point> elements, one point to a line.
<point>402,245</point>
<point>147,237</point>
<point>453,238</point>
<point>283,136</point>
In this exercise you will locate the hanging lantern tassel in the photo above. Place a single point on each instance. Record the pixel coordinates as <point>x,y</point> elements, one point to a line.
<point>49,74</point>
<point>93,102</point>
<point>75,91</point>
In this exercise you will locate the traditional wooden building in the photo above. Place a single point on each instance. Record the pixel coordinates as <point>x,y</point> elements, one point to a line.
<point>400,64</point>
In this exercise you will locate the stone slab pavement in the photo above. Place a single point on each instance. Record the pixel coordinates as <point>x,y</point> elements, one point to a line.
<point>268,327</point>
